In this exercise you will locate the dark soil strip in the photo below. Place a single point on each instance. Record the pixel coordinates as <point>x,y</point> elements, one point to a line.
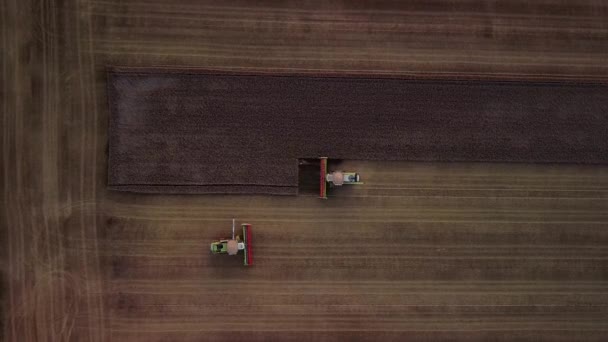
<point>197,132</point>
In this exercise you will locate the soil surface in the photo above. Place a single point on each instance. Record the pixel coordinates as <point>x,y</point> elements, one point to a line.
<point>174,131</point>
<point>421,252</point>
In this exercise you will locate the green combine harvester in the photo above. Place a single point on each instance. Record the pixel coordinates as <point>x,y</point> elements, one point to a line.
<point>237,244</point>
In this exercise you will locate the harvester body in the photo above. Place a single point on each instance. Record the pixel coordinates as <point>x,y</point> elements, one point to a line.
<point>237,244</point>
<point>335,178</point>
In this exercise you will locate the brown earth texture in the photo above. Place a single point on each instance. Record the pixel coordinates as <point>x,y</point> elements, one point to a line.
<point>423,251</point>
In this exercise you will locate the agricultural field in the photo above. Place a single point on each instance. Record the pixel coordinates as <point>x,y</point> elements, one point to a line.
<point>422,251</point>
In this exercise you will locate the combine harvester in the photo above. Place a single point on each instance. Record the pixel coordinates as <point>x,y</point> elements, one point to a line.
<point>236,244</point>
<point>335,178</point>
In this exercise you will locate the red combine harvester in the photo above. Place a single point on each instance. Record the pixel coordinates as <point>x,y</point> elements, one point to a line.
<point>237,244</point>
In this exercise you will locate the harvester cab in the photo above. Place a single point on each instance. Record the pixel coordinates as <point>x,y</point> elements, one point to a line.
<point>237,244</point>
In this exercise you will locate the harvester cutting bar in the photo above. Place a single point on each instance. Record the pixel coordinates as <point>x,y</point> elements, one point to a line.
<point>323,185</point>
<point>248,258</point>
